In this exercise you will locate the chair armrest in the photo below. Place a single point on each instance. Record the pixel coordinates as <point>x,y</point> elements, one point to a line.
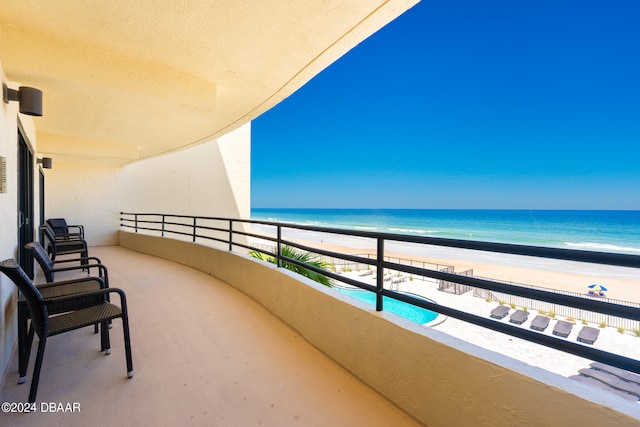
<point>79,227</point>
<point>84,295</point>
<point>70,242</point>
<point>102,270</point>
<point>90,258</point>
<point>68,236</point>
<point>100,280</point>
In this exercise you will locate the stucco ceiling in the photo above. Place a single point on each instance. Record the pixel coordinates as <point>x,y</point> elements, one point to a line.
<point>124,80</point>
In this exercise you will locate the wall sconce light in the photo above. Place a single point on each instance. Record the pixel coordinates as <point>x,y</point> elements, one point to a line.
<point>30,99</point>
<point>47,162</point>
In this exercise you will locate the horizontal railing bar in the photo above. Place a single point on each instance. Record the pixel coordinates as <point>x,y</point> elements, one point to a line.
<point>330,274</point>
<point>352,258</point>
<point>204,227</point>
<point>621,260</point>
<point>217,239</point>
<point>257,236</point>
<point>251,248</point>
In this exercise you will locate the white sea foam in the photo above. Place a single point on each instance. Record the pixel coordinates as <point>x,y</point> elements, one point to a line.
<point>602,247</point>
<point>408,230</point>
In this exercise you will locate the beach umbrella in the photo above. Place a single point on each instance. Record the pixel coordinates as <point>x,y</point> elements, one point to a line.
<point>597,287</point>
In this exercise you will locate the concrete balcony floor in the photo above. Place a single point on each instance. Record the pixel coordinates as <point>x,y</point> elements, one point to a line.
<point>203,354</point>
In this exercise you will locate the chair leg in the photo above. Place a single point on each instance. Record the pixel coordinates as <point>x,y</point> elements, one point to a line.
<point>22,346</point>
<point>127,345</point>
<point>105,342</point>
<point>23,364</point>
<point>36,370</point>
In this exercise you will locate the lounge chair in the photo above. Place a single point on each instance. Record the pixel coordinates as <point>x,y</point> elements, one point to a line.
<point>562,328</point>
<point>82,309</point>
<point>540,323</point>
<point>585,379</point>
<point>625,375</point>
<point>519,317</point>
<point>500,312</point>
<point>588,335</point>
<point>612,381</point>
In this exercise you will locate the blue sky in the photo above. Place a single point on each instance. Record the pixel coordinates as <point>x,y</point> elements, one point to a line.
<point>466,104</point>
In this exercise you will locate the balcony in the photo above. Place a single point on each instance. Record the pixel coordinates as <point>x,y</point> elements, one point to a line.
<point>204,353</point>
<point>219,337</point>
<point>229,234</point>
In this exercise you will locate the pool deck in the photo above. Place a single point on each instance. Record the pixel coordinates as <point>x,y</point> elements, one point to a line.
<point>565,364</point>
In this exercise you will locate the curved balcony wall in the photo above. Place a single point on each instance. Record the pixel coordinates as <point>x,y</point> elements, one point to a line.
<point>437,379</point>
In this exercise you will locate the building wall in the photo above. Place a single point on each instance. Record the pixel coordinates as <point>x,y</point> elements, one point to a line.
<point>210,179</point>
<point>438,379</point>
<point>85,194</point>
<point>10,121</point>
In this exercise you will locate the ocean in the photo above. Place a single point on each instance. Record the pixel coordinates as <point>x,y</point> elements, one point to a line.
<point>594,230</point>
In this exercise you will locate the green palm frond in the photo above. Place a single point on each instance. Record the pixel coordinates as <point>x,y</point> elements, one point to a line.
<point>303,257</point>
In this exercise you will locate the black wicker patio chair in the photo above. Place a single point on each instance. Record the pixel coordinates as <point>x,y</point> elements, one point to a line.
<point>48,291</point>
<point>63,246</point>
<point>64,230</point>
<point>77,311</point>
<point>50,267</point>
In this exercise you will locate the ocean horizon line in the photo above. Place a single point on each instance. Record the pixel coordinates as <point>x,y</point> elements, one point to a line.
<point>452,209</point>
<point>602,230</point>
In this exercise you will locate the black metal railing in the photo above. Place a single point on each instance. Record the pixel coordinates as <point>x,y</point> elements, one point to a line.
<point>236,233</point>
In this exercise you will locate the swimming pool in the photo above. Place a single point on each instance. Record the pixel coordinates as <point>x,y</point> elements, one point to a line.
<point>408,311</point>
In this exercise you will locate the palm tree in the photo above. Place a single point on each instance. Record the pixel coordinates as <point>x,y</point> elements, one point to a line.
<point>303,257</point>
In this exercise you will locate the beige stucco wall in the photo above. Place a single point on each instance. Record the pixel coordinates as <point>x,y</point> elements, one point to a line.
<point>10,121</point>
<point>84,194</point>
<point>211,179</point>
<point>439,380</point>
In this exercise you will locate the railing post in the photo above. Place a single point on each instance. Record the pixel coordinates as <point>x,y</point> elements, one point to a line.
<point>163,220</point>
<point>194,229</point>
<point>380,273</point>
<point>279,247</point>
<point>135,221</point>
<point>230,235</point>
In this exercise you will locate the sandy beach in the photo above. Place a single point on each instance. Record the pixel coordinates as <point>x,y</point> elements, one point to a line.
<point>622,283</point>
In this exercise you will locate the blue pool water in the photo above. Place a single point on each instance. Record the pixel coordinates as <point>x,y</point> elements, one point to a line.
<point>408,311</point>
